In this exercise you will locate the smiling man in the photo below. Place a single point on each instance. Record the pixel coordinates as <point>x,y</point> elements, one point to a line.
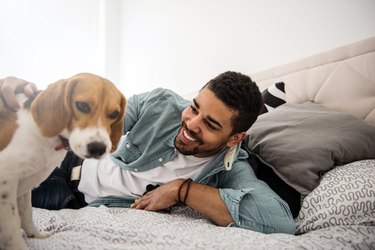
<point>209,126</point>
<point>189,151</point>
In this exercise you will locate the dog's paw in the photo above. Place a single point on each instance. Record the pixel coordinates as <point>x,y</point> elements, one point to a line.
<point>40,234</point>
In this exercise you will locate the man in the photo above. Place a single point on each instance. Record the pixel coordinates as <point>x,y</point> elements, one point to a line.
<point>189,151</point>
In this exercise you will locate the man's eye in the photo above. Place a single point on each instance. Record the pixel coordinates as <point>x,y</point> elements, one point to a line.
<point>193,109</point>
<point>84,107</point>
<point>210,126</point>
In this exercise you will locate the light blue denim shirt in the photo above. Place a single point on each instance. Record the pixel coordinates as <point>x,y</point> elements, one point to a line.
<point>152,121</point>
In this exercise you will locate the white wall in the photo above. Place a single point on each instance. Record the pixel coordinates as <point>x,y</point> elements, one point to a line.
<point>46,40</point>
<point>181,44</point>
<point>177,44</point>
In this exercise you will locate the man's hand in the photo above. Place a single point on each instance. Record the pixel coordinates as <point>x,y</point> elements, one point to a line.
<point>202,198</point>
<point>11,86</point>
<point>160,198</point>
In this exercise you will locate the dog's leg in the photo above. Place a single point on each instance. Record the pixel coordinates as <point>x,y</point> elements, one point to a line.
<point>10,234</point>
<point>26,215</point>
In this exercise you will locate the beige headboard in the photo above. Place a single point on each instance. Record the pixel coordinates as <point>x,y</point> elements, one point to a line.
<point>342,79</point>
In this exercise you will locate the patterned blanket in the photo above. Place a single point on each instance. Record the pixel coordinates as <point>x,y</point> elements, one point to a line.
<point>123,228</point>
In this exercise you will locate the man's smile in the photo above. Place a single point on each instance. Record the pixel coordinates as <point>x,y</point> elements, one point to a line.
<point>187,136</point>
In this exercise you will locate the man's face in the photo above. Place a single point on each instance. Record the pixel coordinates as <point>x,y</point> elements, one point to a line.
<point>205,126</point>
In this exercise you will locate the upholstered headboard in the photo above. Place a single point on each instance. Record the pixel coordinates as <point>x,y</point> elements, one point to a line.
<point>342,79</point>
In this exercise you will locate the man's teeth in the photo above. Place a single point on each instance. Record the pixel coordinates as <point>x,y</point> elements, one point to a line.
<point>188,136</point>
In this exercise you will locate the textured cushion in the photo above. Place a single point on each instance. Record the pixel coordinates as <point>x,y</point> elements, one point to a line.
<point>273,97</point>
<point>301,142</point>
<point>345,196</point>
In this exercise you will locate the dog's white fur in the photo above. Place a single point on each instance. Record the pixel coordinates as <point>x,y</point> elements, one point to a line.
<point>34,148</point>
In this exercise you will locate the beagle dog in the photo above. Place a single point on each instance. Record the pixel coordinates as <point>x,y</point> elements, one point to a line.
<point>84,112</point>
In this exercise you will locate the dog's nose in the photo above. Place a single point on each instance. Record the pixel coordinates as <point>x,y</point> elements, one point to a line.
<point>96,149</point>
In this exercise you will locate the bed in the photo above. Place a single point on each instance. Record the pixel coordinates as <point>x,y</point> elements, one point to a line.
<point>316,135</point>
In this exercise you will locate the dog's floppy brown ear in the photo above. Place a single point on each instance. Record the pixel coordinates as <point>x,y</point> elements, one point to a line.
<point>117,128</point>
<point>52,108</point>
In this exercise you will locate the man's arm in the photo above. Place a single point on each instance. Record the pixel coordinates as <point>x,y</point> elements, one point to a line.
<point>11,86</point>
<point>206,200</point>
<point>202,198</point>
<point>253,205</point>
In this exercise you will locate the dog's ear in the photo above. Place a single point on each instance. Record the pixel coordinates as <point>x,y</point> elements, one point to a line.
<point>117,128</point>
<point>52,107</point>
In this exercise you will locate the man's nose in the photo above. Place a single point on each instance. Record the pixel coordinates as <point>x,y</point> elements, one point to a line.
<point>194,123</point>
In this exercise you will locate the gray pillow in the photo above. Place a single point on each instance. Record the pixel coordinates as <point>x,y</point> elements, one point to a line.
<point>301,142</point>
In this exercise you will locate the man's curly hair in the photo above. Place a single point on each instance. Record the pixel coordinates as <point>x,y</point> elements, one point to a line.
<point>240,94</point>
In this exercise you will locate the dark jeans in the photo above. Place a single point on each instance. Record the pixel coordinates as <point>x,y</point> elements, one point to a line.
<point>58,191</point>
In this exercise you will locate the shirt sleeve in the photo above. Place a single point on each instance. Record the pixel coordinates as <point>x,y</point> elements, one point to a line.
<point>252,203</point>
<point>101,178</point>
<point>136,105</point>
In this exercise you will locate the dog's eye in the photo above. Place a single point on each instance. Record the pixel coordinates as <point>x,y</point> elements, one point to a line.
<point>83,107</point>
<point>114,115</point>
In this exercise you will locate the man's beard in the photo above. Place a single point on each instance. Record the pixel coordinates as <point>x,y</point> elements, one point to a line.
<point>196,149</point>
<point>184,151</point>
<point>187,149</point>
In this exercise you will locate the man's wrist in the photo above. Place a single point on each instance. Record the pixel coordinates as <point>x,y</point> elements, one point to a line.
<point>183,190</point>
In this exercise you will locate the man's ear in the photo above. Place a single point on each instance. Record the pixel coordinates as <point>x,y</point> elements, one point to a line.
<point>235,139</point>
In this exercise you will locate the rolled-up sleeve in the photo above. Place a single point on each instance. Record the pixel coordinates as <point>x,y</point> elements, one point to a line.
<point>262,213</point>
<point>252,203</point>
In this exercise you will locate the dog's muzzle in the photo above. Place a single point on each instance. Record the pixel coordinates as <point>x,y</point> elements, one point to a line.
<point>96,149</point>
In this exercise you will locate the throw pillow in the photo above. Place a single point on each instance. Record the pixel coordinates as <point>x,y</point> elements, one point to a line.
<point>273,97</point>
<point>345,196</point>
<point>301,142</point>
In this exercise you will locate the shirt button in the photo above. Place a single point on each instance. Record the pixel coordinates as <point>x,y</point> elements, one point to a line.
<point>136,169</point>
<point>127,145</point>
<point>160,159</point>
